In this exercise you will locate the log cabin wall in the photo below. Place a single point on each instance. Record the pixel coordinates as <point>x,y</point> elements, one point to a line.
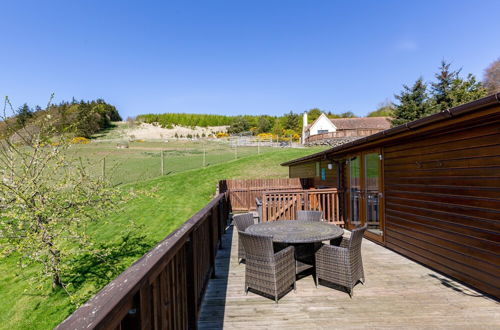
<point>442,201</point>
<point>441,198</point>
<point>318,172</point>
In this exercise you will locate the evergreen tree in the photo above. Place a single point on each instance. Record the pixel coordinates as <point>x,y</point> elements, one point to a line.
<point>24,113</point>
<point>413,103</point>
<point>451,90</point>
<point>441,89</point>
<point>291,121</point>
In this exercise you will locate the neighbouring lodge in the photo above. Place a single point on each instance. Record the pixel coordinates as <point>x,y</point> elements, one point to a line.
<point>429,189</point>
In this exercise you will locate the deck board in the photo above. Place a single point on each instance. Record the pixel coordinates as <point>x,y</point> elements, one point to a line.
<point>399,293</point>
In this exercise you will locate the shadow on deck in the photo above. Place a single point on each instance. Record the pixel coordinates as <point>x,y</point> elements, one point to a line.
<point>398,293</point>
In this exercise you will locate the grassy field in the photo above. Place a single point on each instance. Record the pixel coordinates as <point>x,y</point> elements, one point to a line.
<point>176,197</point>
<point>142,160</point>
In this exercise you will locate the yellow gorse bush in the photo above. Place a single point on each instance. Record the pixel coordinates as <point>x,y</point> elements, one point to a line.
<point>267,136</point>
<point>221,135</point>
<point>79,140</point>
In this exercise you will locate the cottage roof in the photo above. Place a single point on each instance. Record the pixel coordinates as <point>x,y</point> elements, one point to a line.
<point>367,123</point>
<point>357,123</point>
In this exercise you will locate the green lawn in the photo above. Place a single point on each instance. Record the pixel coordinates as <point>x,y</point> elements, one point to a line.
<point>176,197</point>
<point>142,160</point>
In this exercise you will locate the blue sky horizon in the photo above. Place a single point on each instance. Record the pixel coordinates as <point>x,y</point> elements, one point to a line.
<point>237,57</point>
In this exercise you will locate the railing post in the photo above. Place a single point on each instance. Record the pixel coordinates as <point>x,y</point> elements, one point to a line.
<point>145,307</point>
<point>192,303</point>
<point>221,212</point>
<point>264,207</point>
<point>213,243</point>
<point>306,200</point>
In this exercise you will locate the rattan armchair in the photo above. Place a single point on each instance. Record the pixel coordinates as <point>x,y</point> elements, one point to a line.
<point>265,271</point>
<point>342,264</point>
<point>242,222</point>
<point>309,215</point>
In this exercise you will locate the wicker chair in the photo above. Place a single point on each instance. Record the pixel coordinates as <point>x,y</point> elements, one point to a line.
<point>309,215</point>
<point>342,264</point>
<point>242,222</point>
<point>265,271</point>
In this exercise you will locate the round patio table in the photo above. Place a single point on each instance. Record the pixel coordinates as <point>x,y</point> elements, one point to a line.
<point>297,231</point>
<point>305,236</point>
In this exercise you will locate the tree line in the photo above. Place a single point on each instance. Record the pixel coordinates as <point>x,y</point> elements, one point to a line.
<point>448,89</point>
<point>78,118</point>
<point>288,124</point>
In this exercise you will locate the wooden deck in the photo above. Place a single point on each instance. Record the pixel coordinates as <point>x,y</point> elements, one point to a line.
<point>398,293</point>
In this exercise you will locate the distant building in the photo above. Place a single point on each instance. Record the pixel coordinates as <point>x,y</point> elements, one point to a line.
<point>325,128</point>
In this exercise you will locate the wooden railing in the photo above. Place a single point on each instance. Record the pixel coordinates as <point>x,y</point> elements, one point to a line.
<point>283,205</point>
<point>242,193</point>
<point>163,289</point>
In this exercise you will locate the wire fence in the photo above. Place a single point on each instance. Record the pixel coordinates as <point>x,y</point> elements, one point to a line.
<point>129,162</point>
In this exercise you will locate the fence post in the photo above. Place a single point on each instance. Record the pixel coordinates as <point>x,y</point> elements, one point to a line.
<point>162,165</point>
<point>204,156</point>
<point>104,168</point>
<point>258,146</point>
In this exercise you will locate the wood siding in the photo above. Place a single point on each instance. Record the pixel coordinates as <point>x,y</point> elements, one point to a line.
<point>309,170</point>
<point>442,201</point>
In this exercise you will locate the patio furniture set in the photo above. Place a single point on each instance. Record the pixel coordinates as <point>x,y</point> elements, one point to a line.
<point>276,253</point>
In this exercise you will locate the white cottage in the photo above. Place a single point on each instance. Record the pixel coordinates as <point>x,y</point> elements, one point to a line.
<point>345,127</point>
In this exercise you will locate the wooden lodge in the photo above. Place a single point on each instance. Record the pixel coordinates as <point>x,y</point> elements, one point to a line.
<point>429,189</point>
<point>429,192</point>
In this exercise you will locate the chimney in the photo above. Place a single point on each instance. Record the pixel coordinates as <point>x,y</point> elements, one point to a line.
<point>304,124</point>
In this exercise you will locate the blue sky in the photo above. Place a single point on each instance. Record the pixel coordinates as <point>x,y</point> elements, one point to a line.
<point>237,57</point>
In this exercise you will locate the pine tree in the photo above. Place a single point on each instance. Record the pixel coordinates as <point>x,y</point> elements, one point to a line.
<point>24,113</point>
<point>441,89</point>
<point>451,90</point>
<point>413,103</point>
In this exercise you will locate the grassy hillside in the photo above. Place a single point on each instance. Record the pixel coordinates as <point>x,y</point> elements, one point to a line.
<point>176,198</point>
<point>142,160</point>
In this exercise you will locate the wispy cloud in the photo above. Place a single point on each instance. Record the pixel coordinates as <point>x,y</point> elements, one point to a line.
<point>406,46</point>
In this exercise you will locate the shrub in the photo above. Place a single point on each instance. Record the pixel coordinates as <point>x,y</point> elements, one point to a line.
<point>79,140</point>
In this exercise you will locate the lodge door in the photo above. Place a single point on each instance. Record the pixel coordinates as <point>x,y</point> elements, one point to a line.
<point>365,193</point>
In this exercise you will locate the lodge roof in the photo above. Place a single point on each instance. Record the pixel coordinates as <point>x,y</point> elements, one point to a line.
<point>398,131</point>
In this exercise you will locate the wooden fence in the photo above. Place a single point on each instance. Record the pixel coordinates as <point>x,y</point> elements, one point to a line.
<point>283,205</point>
<point>242,193</point>
<point>343,133</point>
<point>163,289</point>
